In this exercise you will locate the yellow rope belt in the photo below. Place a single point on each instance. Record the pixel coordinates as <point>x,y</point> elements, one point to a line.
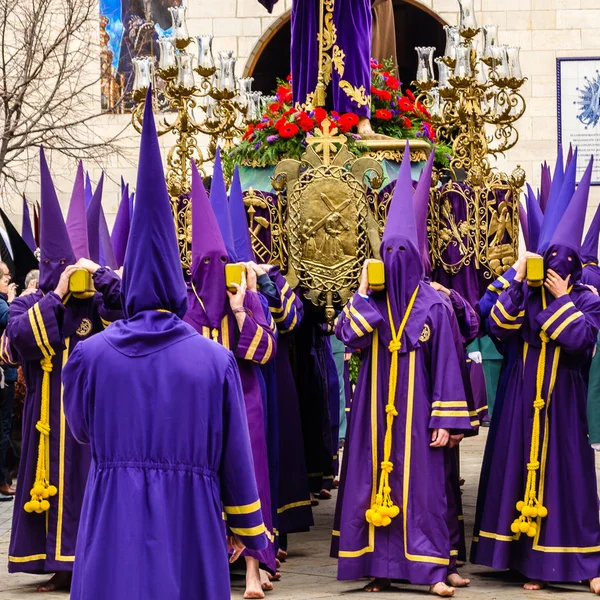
<point>530,507</point>
<point>384,510</point>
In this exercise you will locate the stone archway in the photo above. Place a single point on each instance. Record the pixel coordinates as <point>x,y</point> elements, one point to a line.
<point>416,25</point>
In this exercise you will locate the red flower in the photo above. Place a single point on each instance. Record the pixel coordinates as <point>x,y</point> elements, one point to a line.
<point>249,133</point>
<point>275,107</point>
<point>410,95</point>
<point>284,94</point>
<point>289,130</point>
<point>289,77</point>
<point>405,105</point>
<point>347,122</point>
<point>289,112</point>
<point>406,122</point>
<point>320,115</point>
<point>280,123</point>
<point>384,114</point>
<point>307,124</point>
<point>392,83</point>
<point>429,131</point>
<point>264,124</point>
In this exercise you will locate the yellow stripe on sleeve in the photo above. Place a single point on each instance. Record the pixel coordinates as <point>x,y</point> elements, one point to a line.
<point>254,344</point>
<point>244,509</point>
<point>557,314</point>
<point>565,323</point>
<point>249,531</point>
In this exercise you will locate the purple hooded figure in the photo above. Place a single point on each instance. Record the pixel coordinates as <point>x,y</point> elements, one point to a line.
<point>44,329</point>
<point>464,324</point>
<point>525,518</point>
<point>120,232</point>
<point>245,332</point>
<point>93,221</point>
<point>167,450</point>
<point>391,514</point>
<point>26,228</point>
<point>291,497</point>
<point>76,219</point>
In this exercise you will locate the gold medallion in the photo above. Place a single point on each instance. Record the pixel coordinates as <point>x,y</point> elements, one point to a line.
<point>425,334</point>
<point>84,328</point>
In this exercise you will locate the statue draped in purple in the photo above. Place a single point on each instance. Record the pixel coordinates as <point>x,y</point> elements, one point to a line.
<point>347,54</point>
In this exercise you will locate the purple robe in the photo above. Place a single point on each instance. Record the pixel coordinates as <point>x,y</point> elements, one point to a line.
<point>171,453</point>
<point>254,345</point>
<point>429,395</point>
<point>293,502</point>
<point>566,546</point>
<point>41,324</point>
<point>350,89</point>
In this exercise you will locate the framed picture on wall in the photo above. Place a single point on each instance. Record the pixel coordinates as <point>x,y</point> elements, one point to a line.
<point>578,97</point>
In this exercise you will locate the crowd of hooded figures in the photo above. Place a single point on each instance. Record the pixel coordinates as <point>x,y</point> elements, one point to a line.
<point>172,428</point>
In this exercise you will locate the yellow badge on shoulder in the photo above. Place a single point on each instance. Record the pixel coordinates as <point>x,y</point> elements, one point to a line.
<point>425,334</point>
<point>84,328</point>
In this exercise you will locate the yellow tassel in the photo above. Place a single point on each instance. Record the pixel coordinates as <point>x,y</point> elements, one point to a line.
<point>381,513</point>
<point>320,95</point>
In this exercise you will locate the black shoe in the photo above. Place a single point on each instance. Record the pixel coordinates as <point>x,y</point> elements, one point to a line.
<point>6,498</point>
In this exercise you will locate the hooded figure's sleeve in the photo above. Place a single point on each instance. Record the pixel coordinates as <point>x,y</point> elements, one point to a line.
<point>287,308</point>
<point>108,284</point>
<point>508,313</point>
<point>239,493</point>
<point>357,322</point>
<point>494,290</point>
<point>449,408</point>
<point>35,327</point>
<point>573,327</point>
<point>257,341</point>
<point>467,318</point>
<point>76,395</point>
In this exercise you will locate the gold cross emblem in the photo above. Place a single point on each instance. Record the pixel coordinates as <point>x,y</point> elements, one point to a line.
<point>325,141</point>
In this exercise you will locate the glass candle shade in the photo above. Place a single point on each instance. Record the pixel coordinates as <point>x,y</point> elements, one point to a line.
<point>425,64</point>
<point>185,72</point>
<point>142,69</point>
<point>500,57</point>
<point>490,39</point>
<point>514,62</point>
<point>205,55</point>
<point>179,31</point>
<point>452,41</point>
<point>443,73</point>
<point>467,15</point>
<point>167,61</point>
<point>463,62</point>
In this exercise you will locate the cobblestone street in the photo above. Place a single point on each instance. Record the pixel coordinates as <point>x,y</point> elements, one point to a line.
<point>310,574</point>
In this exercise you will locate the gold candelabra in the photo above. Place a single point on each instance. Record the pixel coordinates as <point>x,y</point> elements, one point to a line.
<point>474,104</point>
<point>199,97</point>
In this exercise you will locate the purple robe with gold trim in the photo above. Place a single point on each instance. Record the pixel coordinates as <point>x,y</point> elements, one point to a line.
<point>254,345</point>
<point>40,325</point>
<point>566,546</point>
<point>429,395</point>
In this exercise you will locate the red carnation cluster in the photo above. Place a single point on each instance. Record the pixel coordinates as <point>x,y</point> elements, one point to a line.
<point>384,114</point>
<point>305,122</point>
<point>347,121</point>
<point>284,94</point>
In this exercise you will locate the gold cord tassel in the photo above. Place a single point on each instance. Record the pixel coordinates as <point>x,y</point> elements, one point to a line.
<point>42,490</point>
<point>384,510</point>
<point>320,91</point>
<point>530,507</point>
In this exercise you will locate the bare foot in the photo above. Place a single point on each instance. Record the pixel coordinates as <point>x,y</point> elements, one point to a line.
<point>534,585</point>
<point>378,585</point>
<point>595,586</point>
<point>325,495</point>
<point>365,130</point>
<point>282,555</point>
<point>265,584</point>
<point>253,582</point>
<point>460,563</point>
<point>276,577</point>
<point>59,582</point>
<point>441,589</point>
<point>455,580</point>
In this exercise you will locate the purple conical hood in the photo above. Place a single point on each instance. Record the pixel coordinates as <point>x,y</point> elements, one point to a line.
<point>524,224</point>
<point>120,232</point>
<point>569,155</point>
<point>219,203</point>
<point>400,244</point>
<point>557,205</point>
<point>208,301</point>
<point>76,218</point>
<point>535,219</point>
<point>152,274</point>
<point>546,184</point>
<point>107,253</point>
<point>556,182</point>
<point>589,248</point>
<point>26,229</point>
<point>239,221</point>
<point>421,207</point>
<point>93,222</point>
<point>56,252</point>
<point>88,193</point>
<point>570,229</point>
